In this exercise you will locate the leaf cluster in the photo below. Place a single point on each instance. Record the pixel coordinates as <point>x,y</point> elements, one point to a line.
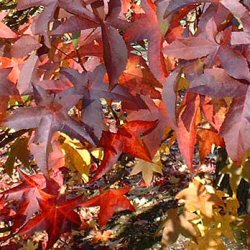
<point>87,84</point>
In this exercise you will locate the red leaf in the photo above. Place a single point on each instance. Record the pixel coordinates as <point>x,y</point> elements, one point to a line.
<point>138,78</point>
<point>27,194</point>
<point>92,88</point>
<point>126,140</point>
<point>24,45</point>
<point>207,138</point>
<point>56,217</point>
<point>206,44</point>
<point>41,25</point>
<point>187,128</point>
<point>147,27</point>
<point>50,115</point>
<point>217,83</point>
<point>115,53</point>
<point>154,112</point>
<point>110,201</point>
<point>236,128</point>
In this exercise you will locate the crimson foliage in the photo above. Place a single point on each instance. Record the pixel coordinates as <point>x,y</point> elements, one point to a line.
<point>168,69</point>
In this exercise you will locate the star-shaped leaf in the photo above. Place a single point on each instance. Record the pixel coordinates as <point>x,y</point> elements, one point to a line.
<point>147,168</point>
<point>92,87</point>
<point>197,197</point>
<point>56,217</point>
<point>237,173</point>
<point>126,140</point>
<point>110,201</point>
<point>205,44</point>
<point>48,116</point>
<point>41,25</point>
<point>115,54</point>
<point>27,194</point>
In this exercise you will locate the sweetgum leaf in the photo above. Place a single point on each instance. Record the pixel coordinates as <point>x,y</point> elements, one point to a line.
<point>187,128</point>
<point>50,115</point>
<point>126,140</point>
<point>154,112</point>
<point>236,128</point>
<point>138,78</point>
<point>147,27</point>
<point>41,25</point>
<point>110,201</point>
<point>56,217</point>
<point>115,53</point>
<point>147,169</point>
<point>92,87</point>
<point>217,83</point>
<point>24,45</point>
<point>197,197</point>
<point>27,194</point>
<point>205,44</point>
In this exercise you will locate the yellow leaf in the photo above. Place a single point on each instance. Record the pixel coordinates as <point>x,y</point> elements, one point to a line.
<point>76,157</point>
<point>236,173</point>
<point>197,197</point>
<point>147,168</point>
<point>208,242</point>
